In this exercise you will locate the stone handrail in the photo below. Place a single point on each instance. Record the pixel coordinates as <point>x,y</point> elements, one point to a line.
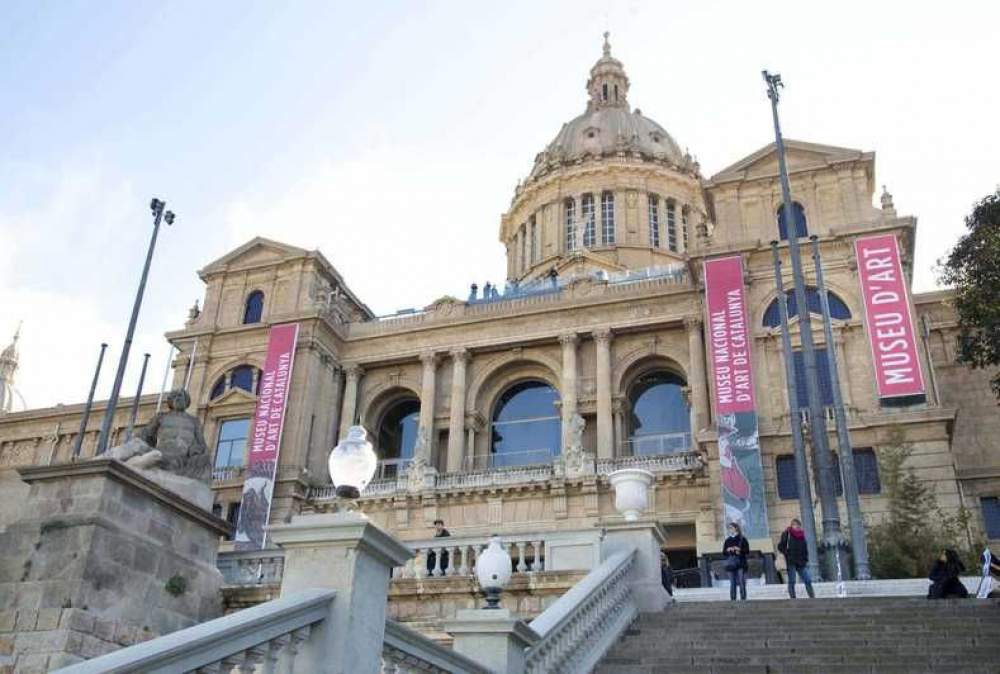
<point>655,463</point>
<point>583,624</point>
<point>456,556</point>
<point>263,634</point>
<point>405,651</point>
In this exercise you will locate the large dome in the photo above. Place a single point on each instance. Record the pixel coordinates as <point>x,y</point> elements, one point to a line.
<point>609,127</point>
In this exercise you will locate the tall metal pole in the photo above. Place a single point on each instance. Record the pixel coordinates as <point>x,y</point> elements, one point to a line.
<point>157,207</point>
<point>859,543</point>
<point>78,445</point>
<point>833,538</point>
<point>135,401</point>
<point>798,442</point>
<point>163,384</point>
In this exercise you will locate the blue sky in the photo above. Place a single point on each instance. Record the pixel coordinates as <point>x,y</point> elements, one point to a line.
<point>391,135</point>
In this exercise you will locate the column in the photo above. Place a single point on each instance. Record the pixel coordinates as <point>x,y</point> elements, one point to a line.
<point>696,373</point>
<point>350,407</point>
<point>425,434</point>
<point>605,430</point>
<point>456,424</point>
<point>568,392</point>
<point>618,408</point>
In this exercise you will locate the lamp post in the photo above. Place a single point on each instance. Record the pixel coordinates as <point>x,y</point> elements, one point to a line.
<point>135,401</point>
<point>493,569</point>
<point>352,464</point>
<point>157,207</point>
<point>833,542</point>
<point>78,444</point>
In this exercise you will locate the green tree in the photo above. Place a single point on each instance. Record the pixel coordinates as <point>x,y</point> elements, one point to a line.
<point>915,529</point>
<point>973,269</point>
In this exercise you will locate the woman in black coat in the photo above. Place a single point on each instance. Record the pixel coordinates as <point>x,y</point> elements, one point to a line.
<point>945,581</point>
<point>736,548</point>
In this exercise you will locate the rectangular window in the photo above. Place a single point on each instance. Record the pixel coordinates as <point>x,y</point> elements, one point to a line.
<point>570,220</point>
<point>231,447</point>
<point>866,471</point>
<point>991,515</point>
<point>524,246</point>
<point>671,226</point>
<point>233,517</point>
<point>587,212</point>
<point>684,226</point>
<point>654,221</point>
<point>788,485</point>
<point>534,239</point>
<point>608,218</point>
<point>822,372</point>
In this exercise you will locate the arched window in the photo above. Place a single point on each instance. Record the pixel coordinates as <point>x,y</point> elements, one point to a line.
<point>534,239</point>
<point>799,214</point>
<point>245,377</point>
<point>654,221</point>
<point>397,436</point>
<point>671,225</point>
<point>660,422</point>
<point>838,308</point>
<point>608,218</point>
<point>524,247</point>
<point>526,427</point>
<point>569,206</point>
<point>254,308</point>
<point>587,212</point>
<point>242,377</point>
<point>604,91</point>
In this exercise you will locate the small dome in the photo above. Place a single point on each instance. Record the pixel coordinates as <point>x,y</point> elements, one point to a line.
<point>609,127</point>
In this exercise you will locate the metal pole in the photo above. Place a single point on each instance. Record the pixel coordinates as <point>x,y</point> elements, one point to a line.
<point>847,475</point>
<point>833,537</point>
<point>798,442</point>
<point>135,401</point>
<point>166,373</point>
<point>78,445</point>
<point>157,207</point>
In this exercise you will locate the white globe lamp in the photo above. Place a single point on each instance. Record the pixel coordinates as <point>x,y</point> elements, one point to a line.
<point>353,463</point>
<point>493,571</point>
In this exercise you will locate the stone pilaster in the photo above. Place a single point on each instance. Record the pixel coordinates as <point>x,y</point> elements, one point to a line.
<point>350,407</point>
<point>568,392</point>
<point>605,429</point>
<point>428,388</point>
<point>696,373</point>
<point>456,423</point>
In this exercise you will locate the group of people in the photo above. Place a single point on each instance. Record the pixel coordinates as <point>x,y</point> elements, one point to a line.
<point>792,545</point>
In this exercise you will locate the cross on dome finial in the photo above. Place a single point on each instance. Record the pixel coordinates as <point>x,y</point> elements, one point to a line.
<point>607,45</point>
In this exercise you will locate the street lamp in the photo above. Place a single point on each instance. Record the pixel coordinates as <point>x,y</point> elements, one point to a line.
<point>352,464</point>
<point>493,571</point>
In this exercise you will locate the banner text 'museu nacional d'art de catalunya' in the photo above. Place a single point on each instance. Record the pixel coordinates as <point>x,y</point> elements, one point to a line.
<point>265,437</point>
<point>731,368</point>
<point>888,318</point>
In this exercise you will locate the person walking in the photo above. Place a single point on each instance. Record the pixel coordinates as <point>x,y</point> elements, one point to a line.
<point>945,576</point>
<point>667,575</point>
<point>736,548</point>
<point>793,546</point>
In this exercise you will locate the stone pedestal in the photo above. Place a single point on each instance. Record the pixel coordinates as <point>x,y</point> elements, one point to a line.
<point>347,553</point>
<point>102,557</point>
<point>495,638</point>
<point>647,537</point>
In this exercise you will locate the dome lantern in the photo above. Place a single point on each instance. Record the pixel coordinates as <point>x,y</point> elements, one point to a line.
<point>608,83</point>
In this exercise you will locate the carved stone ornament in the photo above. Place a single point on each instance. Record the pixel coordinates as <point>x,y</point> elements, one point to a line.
<point>575,461</point>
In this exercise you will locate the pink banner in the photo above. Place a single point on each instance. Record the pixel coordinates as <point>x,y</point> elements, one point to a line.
<point>265,437</point>
<point>887,317</point>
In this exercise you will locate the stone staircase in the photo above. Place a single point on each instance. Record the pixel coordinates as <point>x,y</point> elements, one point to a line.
<point>821,636</point>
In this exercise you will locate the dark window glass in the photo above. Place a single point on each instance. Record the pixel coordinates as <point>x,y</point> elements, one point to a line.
<point>589,227</point>
<point>526,426</point>
<point>838,309</point>
<point>660,419</point>
<point>231,447</point>
<point>397,436</point>
<point>799,214</point>
<point>991,515</point>
<point>822,371</point>
<point>242,377</point>
<point>788,485</point>
<point>233,516</point>
<point>219,388</point>
<point>866,471</point>
<point>255,307</point>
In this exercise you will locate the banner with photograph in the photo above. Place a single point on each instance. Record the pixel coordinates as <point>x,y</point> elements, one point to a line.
<point>731,371</point>
<point>264,442</point>
<point>888,321</point>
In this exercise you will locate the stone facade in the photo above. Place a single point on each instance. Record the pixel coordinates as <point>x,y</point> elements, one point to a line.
<point>589,320</point>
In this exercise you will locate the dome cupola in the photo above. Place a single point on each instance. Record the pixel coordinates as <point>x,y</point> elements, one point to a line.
<point>608,83</point>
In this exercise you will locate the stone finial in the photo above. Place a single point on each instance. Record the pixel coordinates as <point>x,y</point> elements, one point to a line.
<point>194,312</point>
<point>607,44</point>
<point>887,206</point>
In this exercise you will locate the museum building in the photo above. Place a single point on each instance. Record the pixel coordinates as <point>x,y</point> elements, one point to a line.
<point>505,411</point>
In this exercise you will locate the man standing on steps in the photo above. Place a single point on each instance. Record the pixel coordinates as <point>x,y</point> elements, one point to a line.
<point>793,547</point>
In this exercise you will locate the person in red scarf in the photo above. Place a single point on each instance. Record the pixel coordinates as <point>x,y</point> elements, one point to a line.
<point>793,547</point>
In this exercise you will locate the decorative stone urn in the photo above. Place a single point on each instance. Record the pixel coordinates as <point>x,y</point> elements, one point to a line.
<point>631,491</point>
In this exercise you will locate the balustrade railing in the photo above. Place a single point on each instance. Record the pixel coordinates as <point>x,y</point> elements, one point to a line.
<point>662,463</point>
<point>455,556</point>
<point>405,651</point>
<point>258,567</point>
<point>227,473</point>
<point>583,624</point>
<point>271,635</point>
<point>661,443</point>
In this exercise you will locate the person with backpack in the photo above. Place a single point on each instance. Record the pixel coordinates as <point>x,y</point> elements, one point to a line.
<point>736,548</point>
<point>793,546</point>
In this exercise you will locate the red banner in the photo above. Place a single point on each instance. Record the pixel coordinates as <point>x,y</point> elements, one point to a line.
<point>265,437</point>
<point>887,317</point>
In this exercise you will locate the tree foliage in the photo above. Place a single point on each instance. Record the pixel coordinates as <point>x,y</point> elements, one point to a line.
<point>915,529</point>
<point>973,269</point>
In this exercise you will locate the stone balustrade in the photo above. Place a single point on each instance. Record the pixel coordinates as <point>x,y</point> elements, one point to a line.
<point>264,567</point>
<point>405,651</point>
<point>455,556</point>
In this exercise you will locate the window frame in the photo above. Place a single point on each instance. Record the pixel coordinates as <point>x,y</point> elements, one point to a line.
<point>653,217</point>
<point>589,215</point>
<point>569,223</point>
<point>221,426</point>
<point>258,307</point>
<point>608,217</point>
<point>671,225</point>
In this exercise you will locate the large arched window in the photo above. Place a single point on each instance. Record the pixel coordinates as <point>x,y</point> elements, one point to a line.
<point>838,308</point>
<point>397,436</point>
<point>569,209</point>
<point>526,427</point>
<point>660,422</point>
<point>608,218</point>
<point>245,377</point>
<point>254,308</point>
<point>799,214</point>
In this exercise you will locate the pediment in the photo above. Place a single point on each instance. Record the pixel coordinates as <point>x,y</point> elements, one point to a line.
<point>256,252</point>
<point>799,155</point>
<point>233,397</point>
<point>583,262</point>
